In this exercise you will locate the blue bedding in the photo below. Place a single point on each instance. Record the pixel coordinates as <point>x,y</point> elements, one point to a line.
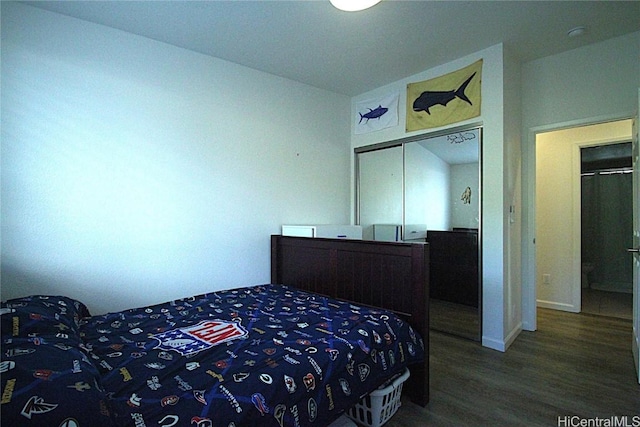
<point>266,355</point>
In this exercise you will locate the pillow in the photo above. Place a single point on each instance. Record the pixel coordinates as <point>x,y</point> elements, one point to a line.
<point>47,378</point>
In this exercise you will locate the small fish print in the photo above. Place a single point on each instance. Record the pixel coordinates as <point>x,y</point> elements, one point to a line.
<point>429,99</point>
<point>466,196</point>
<point>376,113</point>
<point>460,137</point>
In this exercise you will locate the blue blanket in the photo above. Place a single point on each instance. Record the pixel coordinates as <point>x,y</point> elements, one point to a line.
<point>266,355</point>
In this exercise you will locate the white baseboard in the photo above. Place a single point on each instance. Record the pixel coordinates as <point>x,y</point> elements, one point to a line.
<point>558,306</point>
<point>502,345</point>
<point>494,344</point>
<point>513,335</point>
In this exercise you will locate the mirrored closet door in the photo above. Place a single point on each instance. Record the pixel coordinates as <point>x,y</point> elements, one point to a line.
<point>428,190</point>
<point>380,199</point>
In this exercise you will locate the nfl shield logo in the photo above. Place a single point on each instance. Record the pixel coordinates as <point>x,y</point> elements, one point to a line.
<point>192,339</point>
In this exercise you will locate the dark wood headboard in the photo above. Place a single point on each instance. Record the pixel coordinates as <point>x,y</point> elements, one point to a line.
<point>393,276</point>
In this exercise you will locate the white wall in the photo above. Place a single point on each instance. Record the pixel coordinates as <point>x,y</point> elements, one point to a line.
<point>134,172</point>
<point>593,81</point>
<point>500,280</point>
<point>512,197</point>
<point>558,205</point>
<point>591,84</point>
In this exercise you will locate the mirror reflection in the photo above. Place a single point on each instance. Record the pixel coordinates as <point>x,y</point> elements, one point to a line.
<point>429,191</point>
<point>380,198</point>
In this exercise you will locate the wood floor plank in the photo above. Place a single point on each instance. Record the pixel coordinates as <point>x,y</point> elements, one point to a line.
<point>573,365</point>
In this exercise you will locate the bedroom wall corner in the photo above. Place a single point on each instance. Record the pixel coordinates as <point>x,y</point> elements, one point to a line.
<point>135,172</point>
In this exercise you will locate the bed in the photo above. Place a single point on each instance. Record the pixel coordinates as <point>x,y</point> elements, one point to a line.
<point>327,331</point>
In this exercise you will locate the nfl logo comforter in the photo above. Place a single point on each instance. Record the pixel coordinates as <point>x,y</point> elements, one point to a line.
<point>266,355</point>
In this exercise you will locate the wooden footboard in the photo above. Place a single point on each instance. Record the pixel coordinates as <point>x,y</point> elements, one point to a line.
<point>393,276</point>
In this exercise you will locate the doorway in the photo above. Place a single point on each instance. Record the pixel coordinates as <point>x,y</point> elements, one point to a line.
<point>606,230</point>
<point>558,210</point>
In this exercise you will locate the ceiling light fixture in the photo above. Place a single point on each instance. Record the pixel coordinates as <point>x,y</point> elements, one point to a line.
<point>353,5</point>
<point>576,32</point>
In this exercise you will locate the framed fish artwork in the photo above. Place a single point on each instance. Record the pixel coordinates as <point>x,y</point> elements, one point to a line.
<point>443,100</point>
<point>377,114</point>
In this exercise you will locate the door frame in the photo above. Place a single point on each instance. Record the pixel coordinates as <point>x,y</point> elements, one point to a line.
<point>529,266</point>
<point>576,289</point>
<point>635,336</point>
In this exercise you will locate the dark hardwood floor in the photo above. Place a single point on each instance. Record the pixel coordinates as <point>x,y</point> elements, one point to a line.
<point>457,319</point>
<point>573,365</point>
<point>612,304</point>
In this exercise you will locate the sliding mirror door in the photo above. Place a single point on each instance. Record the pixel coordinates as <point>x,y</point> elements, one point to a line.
<point>442,206</point>
<point>428,190</point>
<point>380,198</point>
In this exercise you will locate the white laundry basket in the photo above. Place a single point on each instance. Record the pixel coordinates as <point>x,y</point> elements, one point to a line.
<point>377,407</point>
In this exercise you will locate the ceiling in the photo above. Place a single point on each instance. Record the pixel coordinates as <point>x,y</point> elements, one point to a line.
<point>354,52</point>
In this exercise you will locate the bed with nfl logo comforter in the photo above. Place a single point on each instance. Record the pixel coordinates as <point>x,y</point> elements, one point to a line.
<point>268,355</point>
